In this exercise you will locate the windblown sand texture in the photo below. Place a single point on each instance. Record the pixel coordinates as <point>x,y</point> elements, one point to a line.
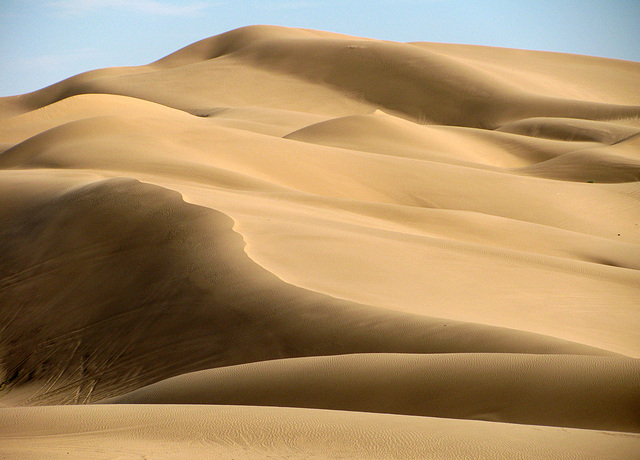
<point>284,243</point>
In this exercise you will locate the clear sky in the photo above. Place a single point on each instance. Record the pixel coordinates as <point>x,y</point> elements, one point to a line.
<point>45,41</point>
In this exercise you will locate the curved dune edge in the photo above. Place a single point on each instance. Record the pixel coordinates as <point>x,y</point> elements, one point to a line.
<point>117,284</point>
<point>158,431</point>
<point>573,391</point>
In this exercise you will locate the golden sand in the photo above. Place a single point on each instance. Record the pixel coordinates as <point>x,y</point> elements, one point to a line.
<point>289,243</point>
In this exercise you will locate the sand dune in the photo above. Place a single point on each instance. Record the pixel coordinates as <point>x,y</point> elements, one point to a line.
<point>173,280</point>
<point>559,390</point>
<point>337,246</point>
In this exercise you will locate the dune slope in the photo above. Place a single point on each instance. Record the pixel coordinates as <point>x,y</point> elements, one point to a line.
<point>585,392</point>
<point>106,282</point>
<point>307,234</point>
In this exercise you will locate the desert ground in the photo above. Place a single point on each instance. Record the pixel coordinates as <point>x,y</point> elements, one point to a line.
<point>287,243</point>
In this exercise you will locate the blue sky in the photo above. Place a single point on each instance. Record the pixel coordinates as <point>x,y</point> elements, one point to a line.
<point>45,41</point>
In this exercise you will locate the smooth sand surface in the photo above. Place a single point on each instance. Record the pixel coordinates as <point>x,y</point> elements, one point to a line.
<point>289,243</point>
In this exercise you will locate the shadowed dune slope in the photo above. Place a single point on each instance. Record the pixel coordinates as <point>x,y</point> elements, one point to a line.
<point>584,392</point>
<point>118,284</point>
<point>440,243</point>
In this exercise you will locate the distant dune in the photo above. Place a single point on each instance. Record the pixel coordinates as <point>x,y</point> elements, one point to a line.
<point>286,243</point>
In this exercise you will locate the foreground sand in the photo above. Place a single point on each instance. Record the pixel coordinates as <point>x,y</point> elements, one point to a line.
<point>169,431</point>
<point>290,243</point>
